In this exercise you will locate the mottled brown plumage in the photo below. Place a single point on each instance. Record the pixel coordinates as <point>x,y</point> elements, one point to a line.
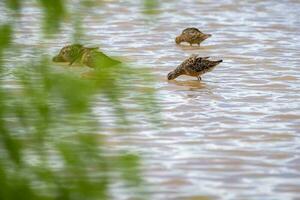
<point>68,53</point>
<point>192,36</point>
<point>194,66</point>
<point>191,30</point>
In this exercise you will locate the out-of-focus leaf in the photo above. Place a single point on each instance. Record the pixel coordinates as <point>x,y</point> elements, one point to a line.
<point>90,3</point>
<point>14,4</point>
<point>54,12</point>
<point>5,36</point>
<point>151,7</point>
<point>128,165</point>
<point>50,145</point>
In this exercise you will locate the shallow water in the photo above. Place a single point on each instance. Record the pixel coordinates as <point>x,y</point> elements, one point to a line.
<point>235,134</point>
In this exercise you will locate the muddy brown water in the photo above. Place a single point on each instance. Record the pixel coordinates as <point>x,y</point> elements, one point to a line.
<point>235,134</point>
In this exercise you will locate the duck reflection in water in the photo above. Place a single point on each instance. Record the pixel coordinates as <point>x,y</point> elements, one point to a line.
<point>193,84</point>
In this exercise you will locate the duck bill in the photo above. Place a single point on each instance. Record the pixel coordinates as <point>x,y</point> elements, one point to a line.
<point>207,36</point>
<point>217,62</point>
<point>58,58</point>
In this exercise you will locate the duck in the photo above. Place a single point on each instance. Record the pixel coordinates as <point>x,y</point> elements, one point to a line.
<point>68,53</point>
<point>89,56</point>
<point>192,36</point>
<point>194,66</point>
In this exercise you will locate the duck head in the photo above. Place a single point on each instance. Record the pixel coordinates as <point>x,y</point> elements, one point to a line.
<point>178,39</point>
<point>68,53</point>
<point>172,75</point>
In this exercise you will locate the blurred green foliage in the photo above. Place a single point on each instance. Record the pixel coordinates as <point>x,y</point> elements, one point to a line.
<point>151,7</point>
<point>14,4</point>
<point>50,145</point>
<point>5,37</point>
<point>53,14</point>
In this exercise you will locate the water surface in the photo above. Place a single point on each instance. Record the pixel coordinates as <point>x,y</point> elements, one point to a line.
<point>235,134</point>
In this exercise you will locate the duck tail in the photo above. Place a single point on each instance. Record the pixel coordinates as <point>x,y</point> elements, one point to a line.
<point>214,63</point>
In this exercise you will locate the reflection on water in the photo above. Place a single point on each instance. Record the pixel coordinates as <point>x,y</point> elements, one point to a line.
<point>192,84</point>
<point>235,134</point>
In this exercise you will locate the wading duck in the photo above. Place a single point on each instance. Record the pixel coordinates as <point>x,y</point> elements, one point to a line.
<point>90,57</point>
<point>194,66</point>
<point>192,36</point>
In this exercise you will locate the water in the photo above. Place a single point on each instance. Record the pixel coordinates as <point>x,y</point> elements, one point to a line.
<point>235,134</point>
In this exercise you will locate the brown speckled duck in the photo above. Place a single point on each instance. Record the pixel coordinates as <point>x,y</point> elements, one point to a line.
<point>194,66</point>
<point>90,57</point>
<point>68,53</point>
<point>192,36</point>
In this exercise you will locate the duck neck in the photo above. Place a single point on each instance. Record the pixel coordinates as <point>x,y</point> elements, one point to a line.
<point>178,71</point>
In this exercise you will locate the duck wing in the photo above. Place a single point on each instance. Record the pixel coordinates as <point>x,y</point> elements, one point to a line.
<point>189,64</point>
<point>192,36</point>
<point>191,31</point>
<point>189,61</point>
<point>77,56</point>
<point>204,65</point>
<point>199,64</point>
